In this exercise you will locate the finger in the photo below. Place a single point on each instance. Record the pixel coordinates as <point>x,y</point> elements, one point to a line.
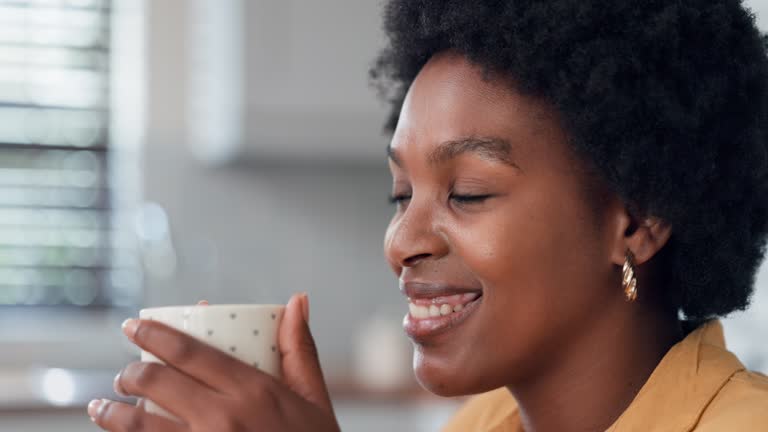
<point>178,393</point>
<point>301,366</point>
<point>119,417</point>
<point>191,356</point>
<point>203,303</point>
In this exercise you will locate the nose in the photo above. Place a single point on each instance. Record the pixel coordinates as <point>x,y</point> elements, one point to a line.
<point>413,237</point>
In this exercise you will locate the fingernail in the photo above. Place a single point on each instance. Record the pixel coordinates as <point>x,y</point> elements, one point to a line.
<point>116,385</point>
<point>129,327</point>
<point>93,408</point>
<point>305,306</point>
<point>203,303</point>
<point>102,407</point>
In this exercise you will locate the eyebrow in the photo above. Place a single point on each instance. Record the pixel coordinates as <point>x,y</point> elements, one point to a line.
<point>488,148</point>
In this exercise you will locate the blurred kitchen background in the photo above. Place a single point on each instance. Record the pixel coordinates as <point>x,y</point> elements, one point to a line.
<point>161,152</point>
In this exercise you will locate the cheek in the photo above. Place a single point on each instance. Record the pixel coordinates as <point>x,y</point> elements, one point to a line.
<point>537,261</point>
<point>525,243</point>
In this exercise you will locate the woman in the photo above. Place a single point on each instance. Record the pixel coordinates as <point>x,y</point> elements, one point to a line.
<point>581,189</point>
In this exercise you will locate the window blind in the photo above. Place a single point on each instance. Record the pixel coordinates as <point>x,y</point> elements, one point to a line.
<point>57,242</point>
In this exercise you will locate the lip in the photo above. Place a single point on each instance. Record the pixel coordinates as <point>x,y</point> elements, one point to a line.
<point>425,329</point>
<point>414,289</point>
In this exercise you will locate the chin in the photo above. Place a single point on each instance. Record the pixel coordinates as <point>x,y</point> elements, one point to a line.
<point>442,378</point>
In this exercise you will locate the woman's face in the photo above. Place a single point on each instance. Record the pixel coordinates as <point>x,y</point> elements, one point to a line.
<point>502,252</point>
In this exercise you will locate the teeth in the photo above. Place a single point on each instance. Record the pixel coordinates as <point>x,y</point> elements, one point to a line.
<point>418,311</point>
<point>434,311</point>
<point>437,309</point>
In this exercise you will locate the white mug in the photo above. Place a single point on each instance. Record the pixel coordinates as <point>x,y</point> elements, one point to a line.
<point>247,332</point>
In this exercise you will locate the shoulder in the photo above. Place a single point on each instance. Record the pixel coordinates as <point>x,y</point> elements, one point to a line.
<point>486,412</point>
<point>741,404</point>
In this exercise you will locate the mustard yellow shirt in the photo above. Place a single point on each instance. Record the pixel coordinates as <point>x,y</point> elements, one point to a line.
<point>698,386</point>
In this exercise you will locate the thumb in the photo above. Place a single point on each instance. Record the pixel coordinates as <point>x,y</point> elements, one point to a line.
<point>301,366</point>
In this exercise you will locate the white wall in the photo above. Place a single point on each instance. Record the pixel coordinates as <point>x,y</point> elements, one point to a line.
<point>258,232</point>
<point>760,8</point>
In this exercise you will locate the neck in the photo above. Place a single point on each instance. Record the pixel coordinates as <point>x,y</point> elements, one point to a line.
<point>596,377</point>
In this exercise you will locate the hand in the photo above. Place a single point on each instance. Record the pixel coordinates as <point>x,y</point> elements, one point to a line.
<point>212,391</point>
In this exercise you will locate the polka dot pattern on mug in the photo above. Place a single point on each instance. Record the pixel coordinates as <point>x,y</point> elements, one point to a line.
<point>227,335</point>
<point>246,334</point>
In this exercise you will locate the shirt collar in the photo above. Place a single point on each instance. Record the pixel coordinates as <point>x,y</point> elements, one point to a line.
<point>688,377</point>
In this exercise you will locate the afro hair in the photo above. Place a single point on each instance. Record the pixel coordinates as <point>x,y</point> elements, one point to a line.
<point>666,100</point>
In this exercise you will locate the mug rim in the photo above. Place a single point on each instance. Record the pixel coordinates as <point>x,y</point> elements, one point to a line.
<point>215,306</point>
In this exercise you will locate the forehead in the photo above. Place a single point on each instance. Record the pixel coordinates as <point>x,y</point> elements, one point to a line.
<point>451,98</point>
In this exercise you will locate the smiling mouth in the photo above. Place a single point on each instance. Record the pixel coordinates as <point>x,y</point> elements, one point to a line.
<point>423,308</point>
<point>436,308</point>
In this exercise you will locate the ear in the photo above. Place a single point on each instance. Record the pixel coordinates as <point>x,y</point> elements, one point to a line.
<point>643,235</point>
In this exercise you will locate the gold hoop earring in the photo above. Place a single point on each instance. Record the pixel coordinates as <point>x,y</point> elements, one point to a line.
<point>628,279</point>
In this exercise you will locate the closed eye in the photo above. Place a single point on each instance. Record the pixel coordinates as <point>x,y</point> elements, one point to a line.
<point>462,199</point>
<point>399,198</point>
<point>470,199</point>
